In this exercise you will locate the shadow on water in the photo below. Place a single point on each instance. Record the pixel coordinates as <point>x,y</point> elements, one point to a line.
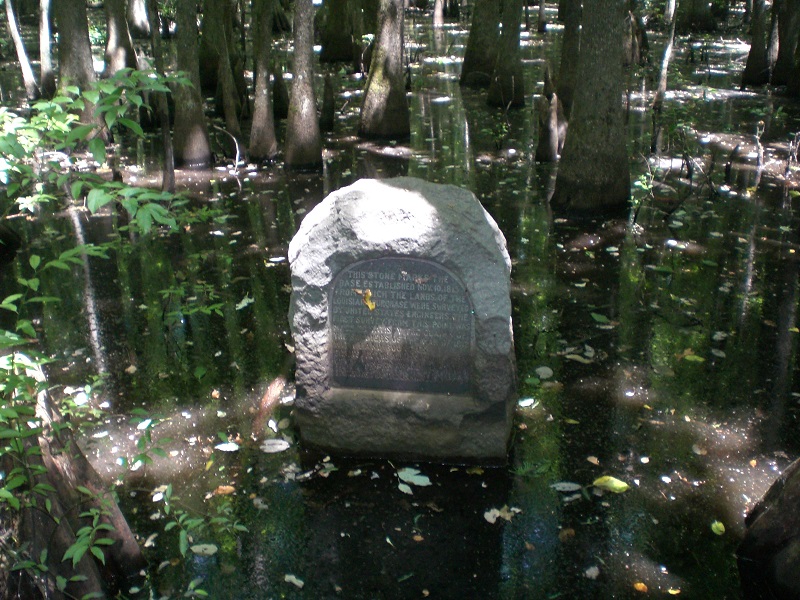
<point>661,352</point>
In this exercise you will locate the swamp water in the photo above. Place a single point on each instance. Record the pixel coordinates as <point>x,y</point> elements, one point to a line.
<point>661,352</point>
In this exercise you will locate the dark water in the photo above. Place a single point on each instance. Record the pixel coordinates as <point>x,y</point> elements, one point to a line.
<point>658,349</point>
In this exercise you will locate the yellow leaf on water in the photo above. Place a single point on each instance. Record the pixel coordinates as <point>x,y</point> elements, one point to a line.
<point>224,490</point>
<point>611,484</point>
<point>640,587</point>
<point>718,527</point>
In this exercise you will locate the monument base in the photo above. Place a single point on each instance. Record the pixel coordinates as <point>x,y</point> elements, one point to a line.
<point>406,425</point>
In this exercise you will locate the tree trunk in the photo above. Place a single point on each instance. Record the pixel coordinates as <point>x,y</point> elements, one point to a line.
<point>216,56</point>
<point>507,88</point>
<point>138,22</point>
<point>47,77</point>
<point>481,52</point>
<point>384,112</point>
<point>695,15</point>
<point>119,45</point>
<point>74,48</point>
<point>263,144</point>
<point>756,71</point>
<point>303,141</point>
<point>661,91</point>
<point>788,35</point>
<point>594,173</point>
<point>31,88</point>
<point>190,135</point>
<point>438,13</point>
<point>570,51</point>
<point>541,19</point>
<point>168,177</point>
<point>341,39</point>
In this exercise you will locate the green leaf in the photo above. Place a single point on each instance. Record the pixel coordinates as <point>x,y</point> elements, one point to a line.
<point>97,198</point>
<point>132,125</point>
<point>183,542</point>
<point>718,527</point>
<point>98,554</point>
<point>413,476</point>
<point>35,260</point>
<point>98,149</point>
<point>611,484</point>
<point>694,358</point>
<point>601,318</point>
<point>76,188</point>
<point>81,132</point>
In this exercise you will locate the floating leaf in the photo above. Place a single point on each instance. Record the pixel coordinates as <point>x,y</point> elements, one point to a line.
<point>299,583</point>
<point>224,490</point>
<point>227,447</point>
<point>413,476</point>
<point>611,484</point>
<point>528,403</point>
<point>578,358</point>
<point>566,486</point>
<point>405,488</point>
<point>718,527</point>
<point>601,318</point>
<point>204,549</point>
<point>640,587</point>
<point>544,372</point>
<point>246,301</point>
<point>694,358</point>
<point>592,572</point>
<point>273,446</point>
<point>504,513</point>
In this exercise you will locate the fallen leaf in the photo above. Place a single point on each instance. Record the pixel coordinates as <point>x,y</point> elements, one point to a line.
<point>204,549</point>
<point>413,476</point>
<point>530,547</point>
<point>544,372</point>
<point>566,486</point>
<point>593,459</point>
<point>611,484</point>
<point>592,572</point>
<point>131,369</point>
<point>578,358</point>
<point>601,318</point>
<point>718,527</point>
<point>673,591</point>
<point>299,583</point>
<point>227,447</point>
<point>405,488</point>
<point>474,471</point>
<point>417,538</point>
<point>500,513</point>
<point>566,534</point>
<point>640,587</point>
<point>273,446</point>
<point>224,490</point>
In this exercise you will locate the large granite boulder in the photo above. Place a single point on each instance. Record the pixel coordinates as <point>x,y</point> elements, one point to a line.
<point>769,555</point>
<point>401,318</point>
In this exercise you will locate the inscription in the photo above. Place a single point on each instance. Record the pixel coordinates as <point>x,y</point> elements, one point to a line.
<point>401,324</point>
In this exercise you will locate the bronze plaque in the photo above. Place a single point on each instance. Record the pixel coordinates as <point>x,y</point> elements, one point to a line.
<point>401,324</point>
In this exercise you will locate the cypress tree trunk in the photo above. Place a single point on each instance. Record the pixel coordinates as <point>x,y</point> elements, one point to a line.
<point>507,88</point>
<point>162,109</point>
<point>594,171</point>
<point>481,52</point>
<point>303,140</point>
<point>31,88</point>
<point>788,35</point>
<point>119,46</point>
<point>756,71</point>
<point>384,113</point>
<point>340,38</point>
<point>47,77</point>
<point>570,49</point>
<point>190,135</point>
<point>74,49</point>
<point>263,144</point>
<point>138,22</point>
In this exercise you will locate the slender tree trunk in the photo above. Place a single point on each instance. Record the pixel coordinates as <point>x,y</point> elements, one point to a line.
<point>168,179</point>
<point>438,13</point>
<point>384,113</point>
<point>119,45</point>
<point>303,139</point>
<point>788,35</point>
<point>190,136</point>
<point>507,88</point>
<point>756,71</point>
<point>31,88</point>
<point>263,144</point>
<point>661,90</point>
<point>541,19</point>
<point>570,49</point>
<point>47,77</point>
<point>669,12</point>
<point>480,55</point>
<point>138,21</point>
<point>594,173</point>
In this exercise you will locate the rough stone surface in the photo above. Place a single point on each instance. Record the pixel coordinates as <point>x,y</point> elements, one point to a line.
<point>431,242</point>
<point>769,554</point>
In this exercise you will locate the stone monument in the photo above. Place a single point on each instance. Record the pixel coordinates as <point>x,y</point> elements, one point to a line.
<point>401,318</point>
